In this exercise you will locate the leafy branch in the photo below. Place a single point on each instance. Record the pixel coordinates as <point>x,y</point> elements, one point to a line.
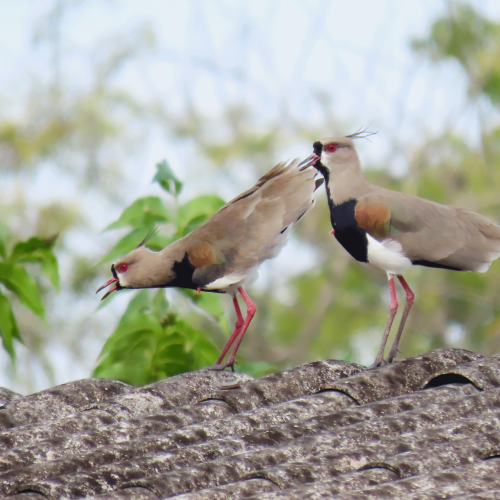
<point>20,283</point>
<point>152,342</point>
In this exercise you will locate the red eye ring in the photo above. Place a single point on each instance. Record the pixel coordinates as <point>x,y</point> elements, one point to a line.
<point>331,148</point>
<point>122,268</point>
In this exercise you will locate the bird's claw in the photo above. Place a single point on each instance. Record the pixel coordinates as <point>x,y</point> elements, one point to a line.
<point>379,364</point>
<point>392,356</point>
<point>219,367</point>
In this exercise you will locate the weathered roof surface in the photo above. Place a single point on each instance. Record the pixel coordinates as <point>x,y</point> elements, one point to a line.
<point>427,427</point>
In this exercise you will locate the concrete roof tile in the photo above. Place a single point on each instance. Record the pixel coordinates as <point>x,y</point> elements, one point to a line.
<point>425,427</point>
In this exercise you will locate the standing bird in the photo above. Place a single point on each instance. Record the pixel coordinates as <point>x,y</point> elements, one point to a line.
<point>223,254</point>
<point>395,231</point>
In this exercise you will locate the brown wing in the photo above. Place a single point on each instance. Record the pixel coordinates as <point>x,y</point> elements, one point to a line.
<point>209,263</point>
<point>279,169</point>
<point>251,227</point>
<point>431,232</point>
<point>202,255</point>
<point>374,217</point>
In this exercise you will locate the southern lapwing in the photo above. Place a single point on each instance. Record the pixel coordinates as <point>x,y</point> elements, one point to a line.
<point>223,254</point>
<point>395,231</point>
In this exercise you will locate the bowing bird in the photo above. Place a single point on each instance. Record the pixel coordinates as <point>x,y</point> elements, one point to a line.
<point>224,253</point>
<point>395,231</point>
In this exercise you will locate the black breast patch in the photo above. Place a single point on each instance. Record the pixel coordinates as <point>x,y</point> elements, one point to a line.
<point>347,231</point>
<point>183,274</point>
<point>184,271</point>
<point>344,223</point>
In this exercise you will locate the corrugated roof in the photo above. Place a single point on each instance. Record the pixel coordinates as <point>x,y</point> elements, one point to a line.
<point>422,428</point>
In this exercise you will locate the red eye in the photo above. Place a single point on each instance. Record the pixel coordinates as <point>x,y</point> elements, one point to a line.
<point>331,148</point>
<point>122,267</point>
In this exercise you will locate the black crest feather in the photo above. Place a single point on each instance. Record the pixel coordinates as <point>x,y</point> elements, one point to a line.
<point>362,133</point>
<point>151,232</point>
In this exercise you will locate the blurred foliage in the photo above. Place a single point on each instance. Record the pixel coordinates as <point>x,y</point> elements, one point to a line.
<point>448,170</point>
<point>339,308</point>
<point>151,341</point>
<point>330,308</point>
<point>79,132</point>
<point>17,280</point>
<point>149,212</point>
<point>473,41</point>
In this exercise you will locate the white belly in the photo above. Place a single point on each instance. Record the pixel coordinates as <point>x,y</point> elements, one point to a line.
<point>387,255</point>
<point>231,282</point>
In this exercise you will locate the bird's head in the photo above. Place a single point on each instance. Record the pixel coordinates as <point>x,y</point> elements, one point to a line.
<point>141,268</point>
<point>335,154</point>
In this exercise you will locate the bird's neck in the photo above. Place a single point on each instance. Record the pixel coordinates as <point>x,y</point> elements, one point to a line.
<point>345,184</point>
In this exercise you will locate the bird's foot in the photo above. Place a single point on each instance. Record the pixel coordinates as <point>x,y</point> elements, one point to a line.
<point>379,361</point>
<point>392,355</point>
<point>377,364</point>
<point>219,367</point>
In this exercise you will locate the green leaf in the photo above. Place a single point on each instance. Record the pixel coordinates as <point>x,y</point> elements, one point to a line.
<point>18,281</point>
<point>50,268</point>
<point>196,211</point>
<point>38,250</point>
<point>139,304</point>
<point>119,342</point>
<point>125,245</point>
<point>158,241</point>
<point>160,305</point>
<point>131,343</point>
<point>4,240</point>
<point>8,326</point>
<point>146,346</point>
<point>201,352</point>
<point>111,296</point>
<point>144,212</point>
<point>166,178</point>
<point>210,302</point>
<point>24,249</point>
<point>192,225</point>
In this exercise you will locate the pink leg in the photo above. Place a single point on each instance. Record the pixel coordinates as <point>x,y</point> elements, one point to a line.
<point>393,310</point>
<point>237,329</point>
<point>410,297</point>
<point>251,310</point>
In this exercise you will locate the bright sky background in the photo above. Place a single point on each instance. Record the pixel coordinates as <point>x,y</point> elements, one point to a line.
<point>273,56</point>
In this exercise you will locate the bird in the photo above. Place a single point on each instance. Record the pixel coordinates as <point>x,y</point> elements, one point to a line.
<point>394,231</point>
<point>224,253</point>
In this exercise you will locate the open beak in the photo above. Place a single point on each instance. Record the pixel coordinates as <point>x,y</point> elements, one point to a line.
<point>311,160</point>
<point>111,290</point>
